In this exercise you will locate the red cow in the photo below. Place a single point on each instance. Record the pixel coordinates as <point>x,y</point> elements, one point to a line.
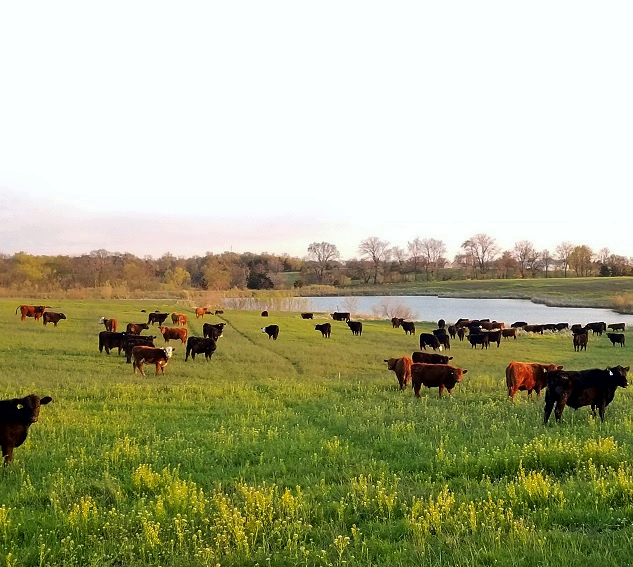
<point>111,325</point>
<point>435,376</point>
<point>174,333</point>
<point>31,311</point>
<point>151,355</point>
<point>528,376</point>
<point>50,317</point>
<point>402,368</point>
<point>201,311</point>
<point>178,319</point>
<point>136,328</point>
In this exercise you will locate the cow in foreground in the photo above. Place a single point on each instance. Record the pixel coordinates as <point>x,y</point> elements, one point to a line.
<point>151,355</point>
<point>35,311</point>
<point>442,376</point>
<point>578,388</point>
<point>110,325</point>
<point>530,376</point>
<point>200,345</point>
<point>51,317</point>
<point>325,328</point>
<point>16,416</point>
<point>402,369</point>
<point>179,334</point>
<point>272,331</point>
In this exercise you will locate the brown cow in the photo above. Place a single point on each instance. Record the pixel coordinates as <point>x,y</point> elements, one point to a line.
<point>16,416</point>
<point>174,333</point>
<point>50,317</point>
<point>151,355</point>
<point>136,328</point>
<point>580,341</point>
<point>528,376</point>
<point>511,332</point>
<point>202,311</point>
<point>111,325</point>
<point>402,368</point>
<point>435,376</point>
<point>31,311</point>
<point>178,319</point>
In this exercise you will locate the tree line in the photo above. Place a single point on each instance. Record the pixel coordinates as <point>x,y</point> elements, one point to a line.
<point>378,262</point>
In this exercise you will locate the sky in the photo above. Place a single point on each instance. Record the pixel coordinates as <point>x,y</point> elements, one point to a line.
<point>250,126</point>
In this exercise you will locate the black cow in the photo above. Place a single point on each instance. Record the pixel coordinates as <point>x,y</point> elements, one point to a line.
<point>16,416</point>
<point>429,339</point>
<point>157,318</point>
<point>580,341</point>
<point>533,329</point>
<point>616,326</point>
<point>341,316</point>
<point>597,328</point>
<point>325,328</point>
<point>272,331</point>
<point>478,339</point>
<point>307,315</point>
<point>130,341</point>
<point>409,327</point>
<point>495,336</point>
<point>452,331</point>
<point>109,341</point>
<point>264,313</point>
<point>430,358</point>
<point>396,322</point>
<point>578,388</point>
<point>518,324</point>
<point>51,317</point>
<point>561,326</point>
<point>461,331</point>
<point>441,324</point>
<point>356,327</point>
<point>213,330</point>
<point>200,345</point>
<point>616,338</point>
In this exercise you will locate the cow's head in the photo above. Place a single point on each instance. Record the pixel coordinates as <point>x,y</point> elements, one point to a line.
<point>168,351</point>
<point>102,320</point>
<point>618,375</point>
<point>29,407</point>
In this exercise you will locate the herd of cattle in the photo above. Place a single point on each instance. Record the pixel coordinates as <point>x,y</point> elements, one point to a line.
<point>592,387</point>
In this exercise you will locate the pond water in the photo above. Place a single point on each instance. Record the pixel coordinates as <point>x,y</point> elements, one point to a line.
<point>433,308</point>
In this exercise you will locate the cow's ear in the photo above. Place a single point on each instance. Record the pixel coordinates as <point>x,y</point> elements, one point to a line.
<point>464,371</point>
<point>46,400</point>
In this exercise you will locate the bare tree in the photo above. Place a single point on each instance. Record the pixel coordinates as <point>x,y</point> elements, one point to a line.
<point>433,252</point>
<point>375,250</point>
<point>546,259</point>
<point>525,253</point>
<point>322,254</point>
<point>416,254</point>
<point>483,249</point>
<point>563,251</point>
<point>506,264</point>
<point>399,257</point>
<point>603,255</point>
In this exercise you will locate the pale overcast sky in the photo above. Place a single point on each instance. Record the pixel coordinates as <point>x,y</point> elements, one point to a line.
<point>153,127</point>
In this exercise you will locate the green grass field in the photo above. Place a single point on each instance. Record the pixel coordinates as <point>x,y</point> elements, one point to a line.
<point>302,451</point>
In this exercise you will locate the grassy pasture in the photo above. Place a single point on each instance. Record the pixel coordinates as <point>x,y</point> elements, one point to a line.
<point>302,451</point>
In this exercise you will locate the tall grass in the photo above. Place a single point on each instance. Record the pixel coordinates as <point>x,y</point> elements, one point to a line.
<point>302,451</point>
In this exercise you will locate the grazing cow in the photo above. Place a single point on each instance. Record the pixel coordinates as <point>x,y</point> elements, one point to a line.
<point>178,319</point>
<point>272,331</point>
<point>16,416</point>
<point>402,369</point>
<point>597,328</point>
<point>109,341</point>
<point>578,388</point>
<point>429,339</point>
<point>31,311</point>
<point>325,328</point>
<point>219,312</point>
<point>616,338</point>
<point>518,324</point>
<point>213,331</point>
<point>511,332</point>
<point>491,325</point>
<point>202,311</point>
<point>264,313</point>
<point>430,358</point>
<point>561,326</point>
<point>580,341</point>
<point>356,327</point>
<point>530,376</point>
<point>478,339</point>
<point>408,327</point>
<point>110,324</point>
<point>130,341</point>
<point>307,315</point>
<point>152,355</point>
<point>51,317</point>
<point>135,328</point>
<point>616,326</point>
<point>157,318</point>
<point>174,333</point>
<point>341,316</point>
<point>533,329</point>
<point>435,376</point>
<point>200,345</point>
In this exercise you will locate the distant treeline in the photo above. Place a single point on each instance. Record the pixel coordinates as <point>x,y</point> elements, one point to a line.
<point>378,264</point>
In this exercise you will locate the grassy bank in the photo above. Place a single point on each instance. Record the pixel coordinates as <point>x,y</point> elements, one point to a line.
<point>302,451</point>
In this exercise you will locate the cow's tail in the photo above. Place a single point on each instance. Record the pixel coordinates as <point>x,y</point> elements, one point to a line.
<point>16,311</point>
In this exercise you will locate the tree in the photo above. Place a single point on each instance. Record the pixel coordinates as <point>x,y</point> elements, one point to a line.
<point>506,264</point>
<point>416,253</point>
<point>433,252</point>
<point>483,249</point>
<point>322,254</point>
<point>580,260</point>
<point>563,251</point>
<point>376,250</point>
<point>525,254</point>
<point>546,259</point>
